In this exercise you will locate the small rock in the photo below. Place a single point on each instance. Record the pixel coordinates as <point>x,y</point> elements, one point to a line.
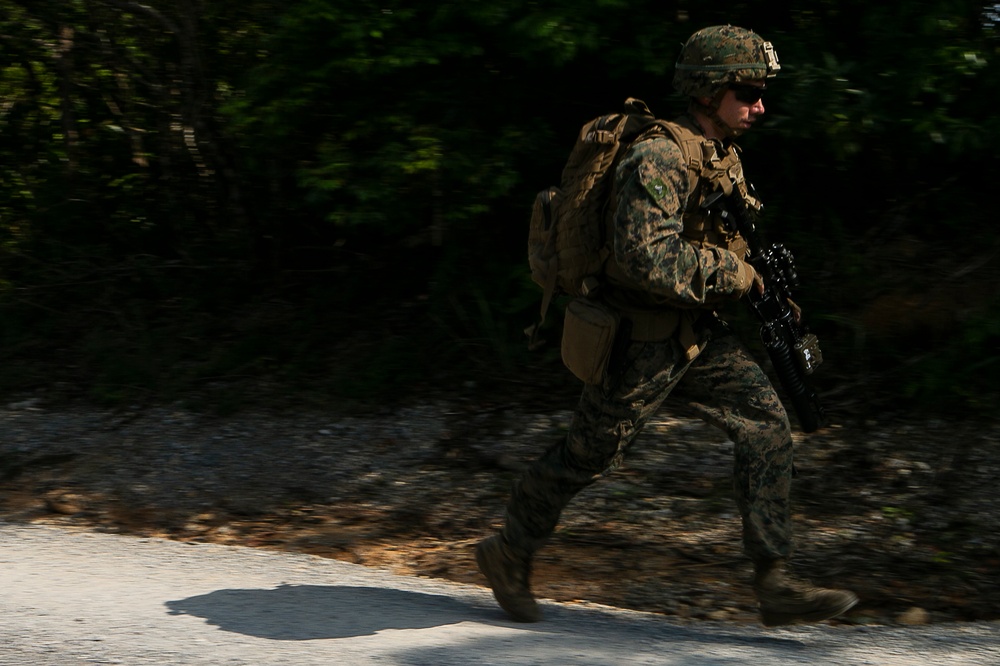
<point>66,505</point>
<point>914,616</point>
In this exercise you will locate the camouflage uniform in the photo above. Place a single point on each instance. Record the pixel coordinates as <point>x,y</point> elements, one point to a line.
<point>671,261</point>
<point>723,384</point>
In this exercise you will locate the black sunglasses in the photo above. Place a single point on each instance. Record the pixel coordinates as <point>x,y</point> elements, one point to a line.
<point>747,93</point>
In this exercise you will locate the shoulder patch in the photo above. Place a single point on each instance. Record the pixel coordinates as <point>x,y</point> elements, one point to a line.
<point>656,188</point>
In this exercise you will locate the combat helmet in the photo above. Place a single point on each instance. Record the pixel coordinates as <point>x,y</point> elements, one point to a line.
<point>714,57</point>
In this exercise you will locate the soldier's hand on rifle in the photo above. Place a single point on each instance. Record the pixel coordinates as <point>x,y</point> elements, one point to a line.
<point>748,277</point>
<point>796,311</point>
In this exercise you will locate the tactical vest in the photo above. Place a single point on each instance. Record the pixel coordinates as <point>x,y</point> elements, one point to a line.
<point>710,172</point>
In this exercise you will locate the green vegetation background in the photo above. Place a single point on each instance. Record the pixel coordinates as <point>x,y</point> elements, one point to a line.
<point>331,198</point>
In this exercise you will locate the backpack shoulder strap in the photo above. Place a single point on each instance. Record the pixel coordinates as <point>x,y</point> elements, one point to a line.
<point>701,154</point>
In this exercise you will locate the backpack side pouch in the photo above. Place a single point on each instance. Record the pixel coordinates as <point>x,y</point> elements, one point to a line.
<point>588,339</point>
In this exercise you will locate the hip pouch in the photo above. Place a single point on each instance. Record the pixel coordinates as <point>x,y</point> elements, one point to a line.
<point>588,339</point>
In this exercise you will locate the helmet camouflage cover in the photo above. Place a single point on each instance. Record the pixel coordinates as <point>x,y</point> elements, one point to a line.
<point>717,56</point>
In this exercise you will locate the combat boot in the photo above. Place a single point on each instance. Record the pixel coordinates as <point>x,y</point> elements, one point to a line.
<point>509,576</point>
<point>784,600</point>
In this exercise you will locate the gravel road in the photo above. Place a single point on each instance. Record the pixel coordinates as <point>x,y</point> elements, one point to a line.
<point>71,597</point>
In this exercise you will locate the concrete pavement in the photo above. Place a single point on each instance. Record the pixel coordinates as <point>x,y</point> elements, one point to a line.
<point>72,597</point>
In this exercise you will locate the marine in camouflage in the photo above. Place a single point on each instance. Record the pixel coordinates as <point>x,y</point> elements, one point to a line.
<point>659,265</point>
<point>662,267</point>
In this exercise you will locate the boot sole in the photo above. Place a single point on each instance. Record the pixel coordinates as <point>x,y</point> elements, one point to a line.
<point>777,619</point>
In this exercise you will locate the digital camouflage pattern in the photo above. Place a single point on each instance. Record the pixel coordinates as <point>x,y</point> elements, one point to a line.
<point>717,56</point>
<point>650,247</point>
<point>724,384</point>
<point>671,260</point>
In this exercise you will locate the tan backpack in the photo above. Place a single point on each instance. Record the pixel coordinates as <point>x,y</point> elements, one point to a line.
<point>567,244</point>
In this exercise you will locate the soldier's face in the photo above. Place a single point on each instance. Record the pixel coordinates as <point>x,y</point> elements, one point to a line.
<point>742,105</point>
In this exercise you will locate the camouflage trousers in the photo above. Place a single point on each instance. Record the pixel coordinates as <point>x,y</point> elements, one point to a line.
<point>726,388</point>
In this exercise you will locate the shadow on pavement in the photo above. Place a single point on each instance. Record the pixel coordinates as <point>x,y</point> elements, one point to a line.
<point>316,612</point>
<point>309,612</point>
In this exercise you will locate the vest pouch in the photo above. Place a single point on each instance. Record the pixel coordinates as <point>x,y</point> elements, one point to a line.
<point>588,339</point>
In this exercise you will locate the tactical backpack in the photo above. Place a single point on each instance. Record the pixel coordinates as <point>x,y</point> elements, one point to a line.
<point>567,236</point>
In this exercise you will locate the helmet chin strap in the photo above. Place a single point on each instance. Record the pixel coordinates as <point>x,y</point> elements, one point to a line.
<point>726,130</point>
<point>711,111</point>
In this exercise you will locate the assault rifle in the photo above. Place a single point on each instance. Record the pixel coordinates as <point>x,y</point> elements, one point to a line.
<point>793,350</point>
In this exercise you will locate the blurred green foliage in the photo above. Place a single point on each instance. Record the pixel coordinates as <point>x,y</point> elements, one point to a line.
<point>334,194</point>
